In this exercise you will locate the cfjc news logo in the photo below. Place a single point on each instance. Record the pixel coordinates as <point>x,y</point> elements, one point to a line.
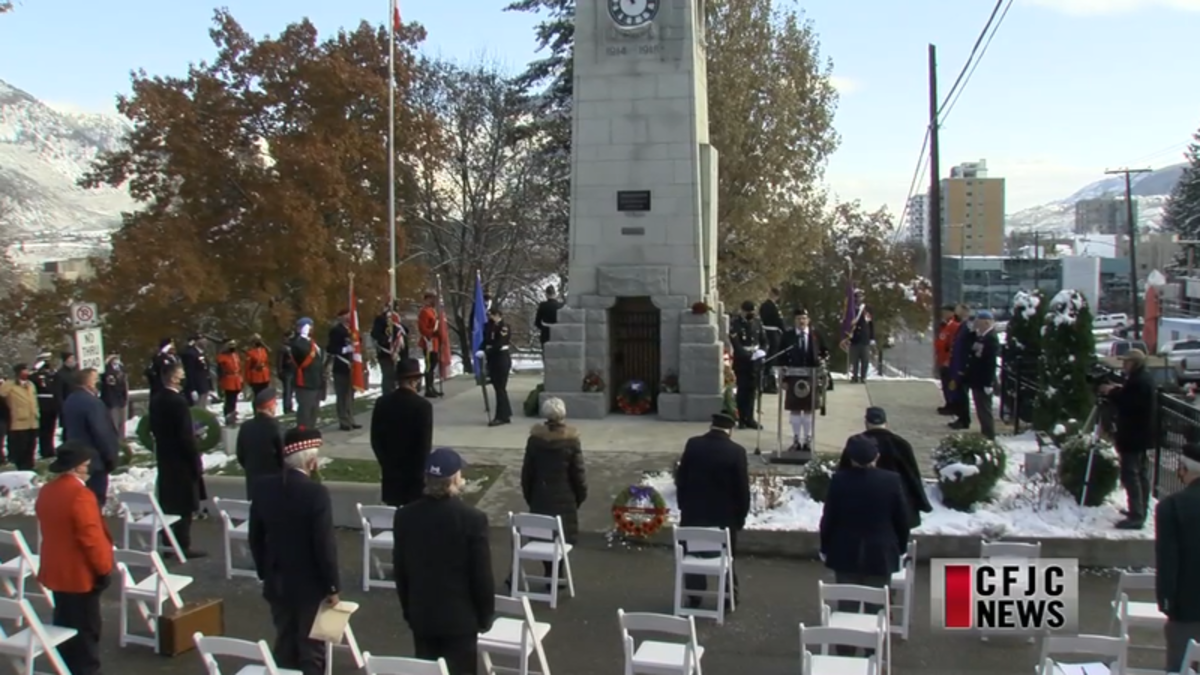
<point>1013,596</point>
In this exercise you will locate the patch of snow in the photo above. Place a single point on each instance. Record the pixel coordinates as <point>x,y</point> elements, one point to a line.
<point>957,471</point>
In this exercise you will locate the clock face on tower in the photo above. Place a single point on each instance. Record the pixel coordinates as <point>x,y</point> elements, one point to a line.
<point>632,13</point>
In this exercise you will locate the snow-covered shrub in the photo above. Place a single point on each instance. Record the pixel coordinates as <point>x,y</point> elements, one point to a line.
<point>967,466</point>
<point>207,428</point>
<point>766,492</point>
<point>1068,351</point>
<point>817,475</point>
<point>1072,467</point>
<point>1024,332</point>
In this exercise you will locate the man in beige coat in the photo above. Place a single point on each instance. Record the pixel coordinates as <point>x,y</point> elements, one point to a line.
<point>21,398</point>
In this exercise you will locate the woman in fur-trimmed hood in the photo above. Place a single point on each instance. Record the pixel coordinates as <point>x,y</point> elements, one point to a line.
<point>553,478</point>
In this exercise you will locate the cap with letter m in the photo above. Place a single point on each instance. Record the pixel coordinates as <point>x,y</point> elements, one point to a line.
<point>1003,593</point>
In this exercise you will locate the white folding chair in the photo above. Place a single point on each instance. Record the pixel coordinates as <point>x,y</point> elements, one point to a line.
<point>539,538</point>
<point>1141,612</point>
<point>235,526</point>
<point>704,552</point>
<point>515,634</point>
<point>143,518</point>
<point>376,538</point>
<point>821,662</point>
<point>832,596</point>
<point>350,644</point>
<point>257,653</point>
<point>17,572</point>
<point>1110,650</point>
<point>1191,659</point>
<point>903,585</point>
<point>398,665</point>
<point>37,639</point>
<point>653,657</point>
<point>1009,550</point>
<point>150,596</point>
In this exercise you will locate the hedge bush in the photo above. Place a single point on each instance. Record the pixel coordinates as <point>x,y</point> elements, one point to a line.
<point>1072,467</point>
<point>207,426</point>
<point>968,467</point>
<point>1068,351</point>
<point>818,473</point>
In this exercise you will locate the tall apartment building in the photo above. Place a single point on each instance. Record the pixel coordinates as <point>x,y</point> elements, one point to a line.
<point>916,225</point>
<point>972,213</point>
<point>1103,215</point>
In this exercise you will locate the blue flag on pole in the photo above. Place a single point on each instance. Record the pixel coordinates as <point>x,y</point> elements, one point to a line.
<point>478,319</point>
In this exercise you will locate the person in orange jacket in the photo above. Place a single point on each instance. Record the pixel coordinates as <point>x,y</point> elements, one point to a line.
<point>943,346</point>
<point>76,555</point>
<point>229,374</point>
<point>258,365</point>
<point>428,325</point>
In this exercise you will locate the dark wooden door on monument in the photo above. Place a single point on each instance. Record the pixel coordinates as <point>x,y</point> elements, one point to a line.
<point>634,345</point>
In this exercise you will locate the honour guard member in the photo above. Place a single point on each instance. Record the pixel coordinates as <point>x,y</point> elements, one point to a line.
<point>310,374</point>
<point>862,338</point>
<point>495,352</point>
<point>746,335</point>
<point>390,337</point>
<point>197,375</point>
<point>161,364</point>
<point>772,322</point>
<point>802,347</point>
<point>45,380</point>
<point>547,315</point>
<point>428,324</point>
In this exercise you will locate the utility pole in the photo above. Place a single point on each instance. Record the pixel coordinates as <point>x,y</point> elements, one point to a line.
<point>1037,261</point>
<point>1131,226</point>
<point>934,207</point>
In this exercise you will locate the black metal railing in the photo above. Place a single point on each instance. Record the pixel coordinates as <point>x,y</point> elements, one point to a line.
<point>1018,391</point>
<point>1176,424</point>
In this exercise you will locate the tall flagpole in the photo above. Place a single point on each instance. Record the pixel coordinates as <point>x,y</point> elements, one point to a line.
<point>392,150</point>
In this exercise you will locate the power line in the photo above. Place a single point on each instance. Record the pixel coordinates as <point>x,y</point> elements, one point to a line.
<point>943,114</point>
<point>912,186</point>
<point>970,58</point>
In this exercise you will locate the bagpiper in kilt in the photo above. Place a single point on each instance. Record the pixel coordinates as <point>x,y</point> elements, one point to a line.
<point>803,348</point>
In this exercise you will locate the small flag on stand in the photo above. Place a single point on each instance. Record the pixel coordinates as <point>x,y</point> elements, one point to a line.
<point>443,336</point>
<point>358,375</point>
<point>478,320</point>
<point>851,310</point>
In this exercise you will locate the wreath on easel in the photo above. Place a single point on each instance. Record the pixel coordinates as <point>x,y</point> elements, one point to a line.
<point>639,511</point>
<point>634,398</point>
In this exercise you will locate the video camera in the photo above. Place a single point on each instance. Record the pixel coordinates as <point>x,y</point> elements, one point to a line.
<point>1100,374</point>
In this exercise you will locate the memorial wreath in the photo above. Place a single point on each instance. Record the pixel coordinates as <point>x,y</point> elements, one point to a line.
<point>634,398</point>
<point>205,425</point>
<point>639,511</point>
<point>670,384</point>
<point>593,383</point>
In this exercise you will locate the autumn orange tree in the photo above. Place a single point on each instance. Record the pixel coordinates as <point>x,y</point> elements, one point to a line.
<point>261,182</point>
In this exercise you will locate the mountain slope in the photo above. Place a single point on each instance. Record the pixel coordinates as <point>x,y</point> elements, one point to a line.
<point>43,152</point>
<point>1149,189</point>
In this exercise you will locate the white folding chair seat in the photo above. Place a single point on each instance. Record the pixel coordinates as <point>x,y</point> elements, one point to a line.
<point>821,662</point>
<point>235,526</point>
<point>398,665</point>
<point>538,538</point>
<point>19,571</point>
<point>655,657</point>
<point>1112,653</point>
<point>1009,550</point>
<point>349,644</point>
<point>515,634</point>
<point>377,543</point>
<point>831,595</point>
<point>142,518</point>
<point>706,552</point>
<point>25,646</point>
<point>1191,659</point>
<point>1135,606</point>
<point>903,586</point>
<point>258,653</point>
<point>150,596</point>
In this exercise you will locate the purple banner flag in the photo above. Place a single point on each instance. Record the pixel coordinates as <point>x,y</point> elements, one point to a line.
<point>851,311</point>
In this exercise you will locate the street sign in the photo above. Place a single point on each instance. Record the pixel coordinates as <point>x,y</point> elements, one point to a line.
<point>84,314</point>
<point>89,348</point>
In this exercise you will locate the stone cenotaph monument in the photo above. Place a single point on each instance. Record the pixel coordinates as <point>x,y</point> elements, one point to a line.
<point>643,231</point>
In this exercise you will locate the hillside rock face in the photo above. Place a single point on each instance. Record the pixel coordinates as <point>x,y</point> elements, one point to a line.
<point>1150,191</point>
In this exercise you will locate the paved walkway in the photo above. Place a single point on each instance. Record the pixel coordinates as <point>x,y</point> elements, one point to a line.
<point>762,637</point>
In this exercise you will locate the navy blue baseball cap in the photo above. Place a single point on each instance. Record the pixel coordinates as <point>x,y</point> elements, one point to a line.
<point>443,463</point>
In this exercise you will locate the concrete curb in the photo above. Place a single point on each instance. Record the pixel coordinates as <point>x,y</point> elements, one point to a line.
<point>1108,553</point>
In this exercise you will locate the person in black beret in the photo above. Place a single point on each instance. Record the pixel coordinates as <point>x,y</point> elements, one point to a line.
<point>712,483</point>
<point>294,550</point>
<point>260,441</point>
<point>749,344</point>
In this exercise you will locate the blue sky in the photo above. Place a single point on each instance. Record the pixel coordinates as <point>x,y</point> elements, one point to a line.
<point>1067,89</point>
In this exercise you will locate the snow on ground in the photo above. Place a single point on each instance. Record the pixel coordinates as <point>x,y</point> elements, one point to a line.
<point>1021,508</point>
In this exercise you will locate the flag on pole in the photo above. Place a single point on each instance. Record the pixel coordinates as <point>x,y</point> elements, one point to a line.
<point>443,336</point>
<point>478,320</point>
<point>850,313</point>
<point>396,23</point>
<point>358,375</point>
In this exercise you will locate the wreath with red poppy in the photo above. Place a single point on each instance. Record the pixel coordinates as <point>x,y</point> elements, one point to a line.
<point>639,511</point>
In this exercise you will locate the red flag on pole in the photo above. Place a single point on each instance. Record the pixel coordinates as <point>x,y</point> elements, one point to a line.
<point>396,23</point>
<point>358,375</point>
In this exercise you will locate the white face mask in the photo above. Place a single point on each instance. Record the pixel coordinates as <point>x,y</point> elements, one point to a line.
<point>305,330</point>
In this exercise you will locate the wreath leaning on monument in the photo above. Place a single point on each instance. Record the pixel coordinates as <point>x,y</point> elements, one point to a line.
<point>639,511</point>
<point>593,383</point>
<point>634,398</point>
<point>204,423</point>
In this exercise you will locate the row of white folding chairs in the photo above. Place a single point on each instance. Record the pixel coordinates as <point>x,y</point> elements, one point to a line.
<point>1107,655</point>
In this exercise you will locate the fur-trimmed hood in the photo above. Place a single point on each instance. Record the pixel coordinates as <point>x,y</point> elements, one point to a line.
<point>554,432</point>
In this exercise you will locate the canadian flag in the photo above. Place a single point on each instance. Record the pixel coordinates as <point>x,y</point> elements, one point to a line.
<point>358,374</point>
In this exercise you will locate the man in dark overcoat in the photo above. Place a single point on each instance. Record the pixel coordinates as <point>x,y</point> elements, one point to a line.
<point>1133,403</point>
<point>712,483</point>
<point>295,552</point>
<point>895,455</point>
<point>772,323</point>
<point>443,566</point>
<point>260,441</point>
<point>1177,550</point>
<point>340,349</point>
<point>402,436</point>
<point>197,374</point>
<point>179,485</point>
<point>85,419</point>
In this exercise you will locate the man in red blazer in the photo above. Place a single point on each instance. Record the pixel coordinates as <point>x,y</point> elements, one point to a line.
<point>77,555</point>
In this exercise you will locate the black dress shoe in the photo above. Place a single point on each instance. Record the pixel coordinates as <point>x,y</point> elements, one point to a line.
<point>751,425</point>
<point>1131,524</point>
<point>497,423</point>
<point>959,425</point>
<point>356,426</point>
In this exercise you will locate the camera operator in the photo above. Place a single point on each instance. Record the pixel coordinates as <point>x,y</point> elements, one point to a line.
<point>1133,406</point>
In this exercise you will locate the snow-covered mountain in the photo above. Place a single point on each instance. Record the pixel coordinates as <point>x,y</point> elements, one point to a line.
<point>1149,189</point>
<point>43,152</point>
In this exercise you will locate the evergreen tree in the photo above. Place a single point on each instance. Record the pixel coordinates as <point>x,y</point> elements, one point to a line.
<point>1182,213</point>
<point>1068,352</point>
<point>1024,334</point>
